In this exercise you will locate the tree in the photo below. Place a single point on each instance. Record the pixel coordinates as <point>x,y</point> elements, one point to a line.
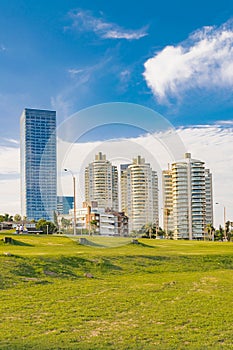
<point>135,233</point>
<point>149,230</point>
<point>46,226</point>
<point>228,231</point>
<point>6,217</point>
<point>17,218</point>
<point>169,234</point>
<point>55,218</point>
<point>65,223</point>
<point>93,226</point>
<point>219,234</point>
<point>209,232</point>
<point>161,232</point>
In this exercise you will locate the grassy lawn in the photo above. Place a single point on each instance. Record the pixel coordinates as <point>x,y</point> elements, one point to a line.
<point>159,294</point>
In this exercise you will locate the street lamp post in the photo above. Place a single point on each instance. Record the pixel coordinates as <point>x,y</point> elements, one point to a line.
<point>74,190</point>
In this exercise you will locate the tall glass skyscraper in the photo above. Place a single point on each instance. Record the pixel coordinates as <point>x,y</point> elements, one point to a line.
<point>38,163</point>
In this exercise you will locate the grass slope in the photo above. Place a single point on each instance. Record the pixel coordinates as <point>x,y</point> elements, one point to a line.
<point>154,295</point>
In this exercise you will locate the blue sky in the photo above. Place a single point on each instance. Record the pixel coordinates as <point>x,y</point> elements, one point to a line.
<point>175,57</point>
<point>69,55</point>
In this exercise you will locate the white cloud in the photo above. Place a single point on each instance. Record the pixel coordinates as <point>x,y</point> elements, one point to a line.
<point>81,84</point>
<point>61,104</point>
<point>125,75</point>
<point>225,123</point>
<point>9,160</point>
<point>204,60</point>
<point>210,143</point>
<point>84,74</point>
<point>11,141</point>
<point>74,71</point>
<point>9,180</point>
<point>10,196</point>
<point>123,34</point>
<point>214,145</point>
<point>85,21</point>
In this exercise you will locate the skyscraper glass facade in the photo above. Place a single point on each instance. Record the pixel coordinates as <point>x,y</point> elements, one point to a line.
<point>38,163</point>
<point>64,204</point>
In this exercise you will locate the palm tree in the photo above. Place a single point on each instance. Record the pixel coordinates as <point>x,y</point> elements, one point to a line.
<point>227,230</point>
<point>149,229</point>
<point>8,217</point>
<point>209,229</point>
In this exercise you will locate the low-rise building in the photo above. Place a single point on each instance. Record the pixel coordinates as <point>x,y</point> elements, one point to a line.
<point>93,220</point>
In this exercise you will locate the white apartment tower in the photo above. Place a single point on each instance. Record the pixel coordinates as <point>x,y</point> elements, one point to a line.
<point>139,193</point>
<point>167,202</point>
<point>101,183</point>
<point>187,198</point>
<point>209,197</point>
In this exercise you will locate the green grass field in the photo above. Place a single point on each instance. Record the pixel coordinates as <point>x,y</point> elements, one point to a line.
<point>158,294</point>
